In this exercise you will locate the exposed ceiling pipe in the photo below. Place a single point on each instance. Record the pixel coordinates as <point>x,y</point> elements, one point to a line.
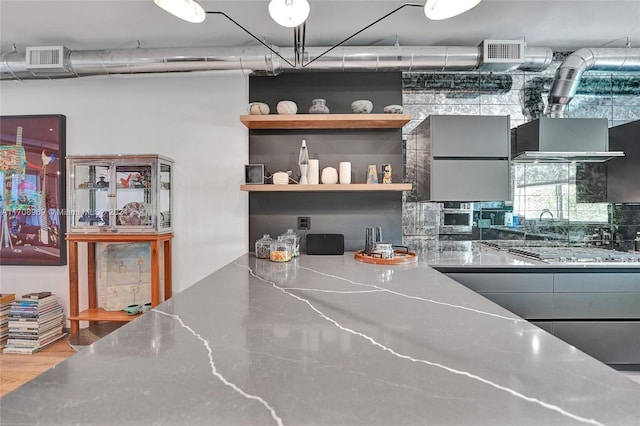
<point>568,75</point>
<point>258,60</point>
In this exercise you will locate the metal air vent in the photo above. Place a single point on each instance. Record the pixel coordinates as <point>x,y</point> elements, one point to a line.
<point>46,58</point>
<point>501,55</point>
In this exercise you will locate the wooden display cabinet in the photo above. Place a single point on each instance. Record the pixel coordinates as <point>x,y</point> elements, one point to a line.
<point>94,313</point>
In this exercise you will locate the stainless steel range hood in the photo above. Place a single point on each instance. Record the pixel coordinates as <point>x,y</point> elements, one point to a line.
<point>562,140</point>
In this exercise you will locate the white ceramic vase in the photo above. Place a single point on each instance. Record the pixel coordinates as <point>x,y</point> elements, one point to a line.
<point>345,172</point>
<point>319,106</point>
<point>313,172</point>
<point>329,175</point>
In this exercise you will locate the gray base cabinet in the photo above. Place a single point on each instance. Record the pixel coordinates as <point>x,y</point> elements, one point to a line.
<point>598,313</point>
<point>612,342</point>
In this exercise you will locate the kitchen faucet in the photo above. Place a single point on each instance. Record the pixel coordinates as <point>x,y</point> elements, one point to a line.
<point>546,211</point>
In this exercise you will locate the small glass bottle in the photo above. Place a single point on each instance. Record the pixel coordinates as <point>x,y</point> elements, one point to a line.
<point>294,239</point>
<point>280,250</point>
<point>263,247</point>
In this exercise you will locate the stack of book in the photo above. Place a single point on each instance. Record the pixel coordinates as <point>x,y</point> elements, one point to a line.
<point>35,321</point>
<point>5,304</point>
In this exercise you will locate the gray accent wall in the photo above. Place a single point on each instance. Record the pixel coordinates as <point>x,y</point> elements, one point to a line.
<point>347,213</point>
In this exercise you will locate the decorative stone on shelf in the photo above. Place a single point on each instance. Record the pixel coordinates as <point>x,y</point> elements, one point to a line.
<point>258,108</point>
<point>319,106</point>
<point>287,108</point>
<point>362,106</point>
<point>394,109</point>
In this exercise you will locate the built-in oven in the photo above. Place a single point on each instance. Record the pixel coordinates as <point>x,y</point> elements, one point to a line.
<point>456,218</point>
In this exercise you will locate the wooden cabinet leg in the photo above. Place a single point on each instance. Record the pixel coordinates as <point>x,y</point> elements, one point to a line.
<point>74,308</point>
<point>92,287</point>
<point>168,283</point>
<point>155,274</point>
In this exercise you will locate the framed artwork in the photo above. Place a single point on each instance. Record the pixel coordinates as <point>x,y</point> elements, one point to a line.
<point>33,198</point>
<point>254,173</point>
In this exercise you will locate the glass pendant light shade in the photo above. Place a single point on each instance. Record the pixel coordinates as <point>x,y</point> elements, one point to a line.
<point>189,10</point>
<point>444,9</point>
<point>289,13</point>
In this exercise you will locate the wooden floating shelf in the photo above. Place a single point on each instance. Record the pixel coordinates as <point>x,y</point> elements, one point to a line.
<point>99,314</point>
<point>326,121</point>
<point>327,187</point>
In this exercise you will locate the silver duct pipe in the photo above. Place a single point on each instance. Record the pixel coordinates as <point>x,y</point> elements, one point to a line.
<point>568,75</point>
<point>258,60</point>
<point>85,63</point>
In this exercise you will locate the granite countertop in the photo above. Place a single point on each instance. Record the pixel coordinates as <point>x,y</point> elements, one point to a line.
<point>327,340</point>
<point>473,255</point>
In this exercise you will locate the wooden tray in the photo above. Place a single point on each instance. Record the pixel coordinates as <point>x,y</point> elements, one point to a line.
<point>400,257</point>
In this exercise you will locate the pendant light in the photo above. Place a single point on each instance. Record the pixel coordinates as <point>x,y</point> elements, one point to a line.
<point>444,9</point>
<point>289,13</point>
<point>189,10</point>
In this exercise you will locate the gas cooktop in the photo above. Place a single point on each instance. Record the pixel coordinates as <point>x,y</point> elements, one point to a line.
<point>571,255</point>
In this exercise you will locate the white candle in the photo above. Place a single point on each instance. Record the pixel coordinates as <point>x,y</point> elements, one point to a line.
<point>313,172</point>
<point>345,172</point>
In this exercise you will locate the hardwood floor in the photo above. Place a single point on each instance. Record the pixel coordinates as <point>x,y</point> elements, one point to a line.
<point>17,369</point>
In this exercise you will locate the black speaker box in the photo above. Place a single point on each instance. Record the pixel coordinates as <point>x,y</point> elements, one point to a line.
<point>325,244</point>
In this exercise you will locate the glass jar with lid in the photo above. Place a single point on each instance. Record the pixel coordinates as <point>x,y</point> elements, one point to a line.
<point>384,250</point>
<point>280,250</point>
<point>294,239</point>
<point>263,247</point>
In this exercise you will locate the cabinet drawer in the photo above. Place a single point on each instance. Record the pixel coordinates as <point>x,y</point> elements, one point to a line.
<point>476,179</point>
<point>609,342</point>
<point>598,282</point>
<point>597,305</point>
<point>505,283</point>
<point>525,305</point>
<point>470,136</point>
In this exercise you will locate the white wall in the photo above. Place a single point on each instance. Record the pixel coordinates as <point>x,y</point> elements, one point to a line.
<point>192,119</point>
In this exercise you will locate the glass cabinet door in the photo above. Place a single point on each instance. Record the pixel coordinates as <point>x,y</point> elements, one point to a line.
<point>164,199</point>
<point>134,199</point>
<point>90,195</point>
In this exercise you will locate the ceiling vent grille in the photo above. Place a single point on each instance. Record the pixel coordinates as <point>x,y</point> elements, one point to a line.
<point>46,58</point>
<point>502,55</point>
